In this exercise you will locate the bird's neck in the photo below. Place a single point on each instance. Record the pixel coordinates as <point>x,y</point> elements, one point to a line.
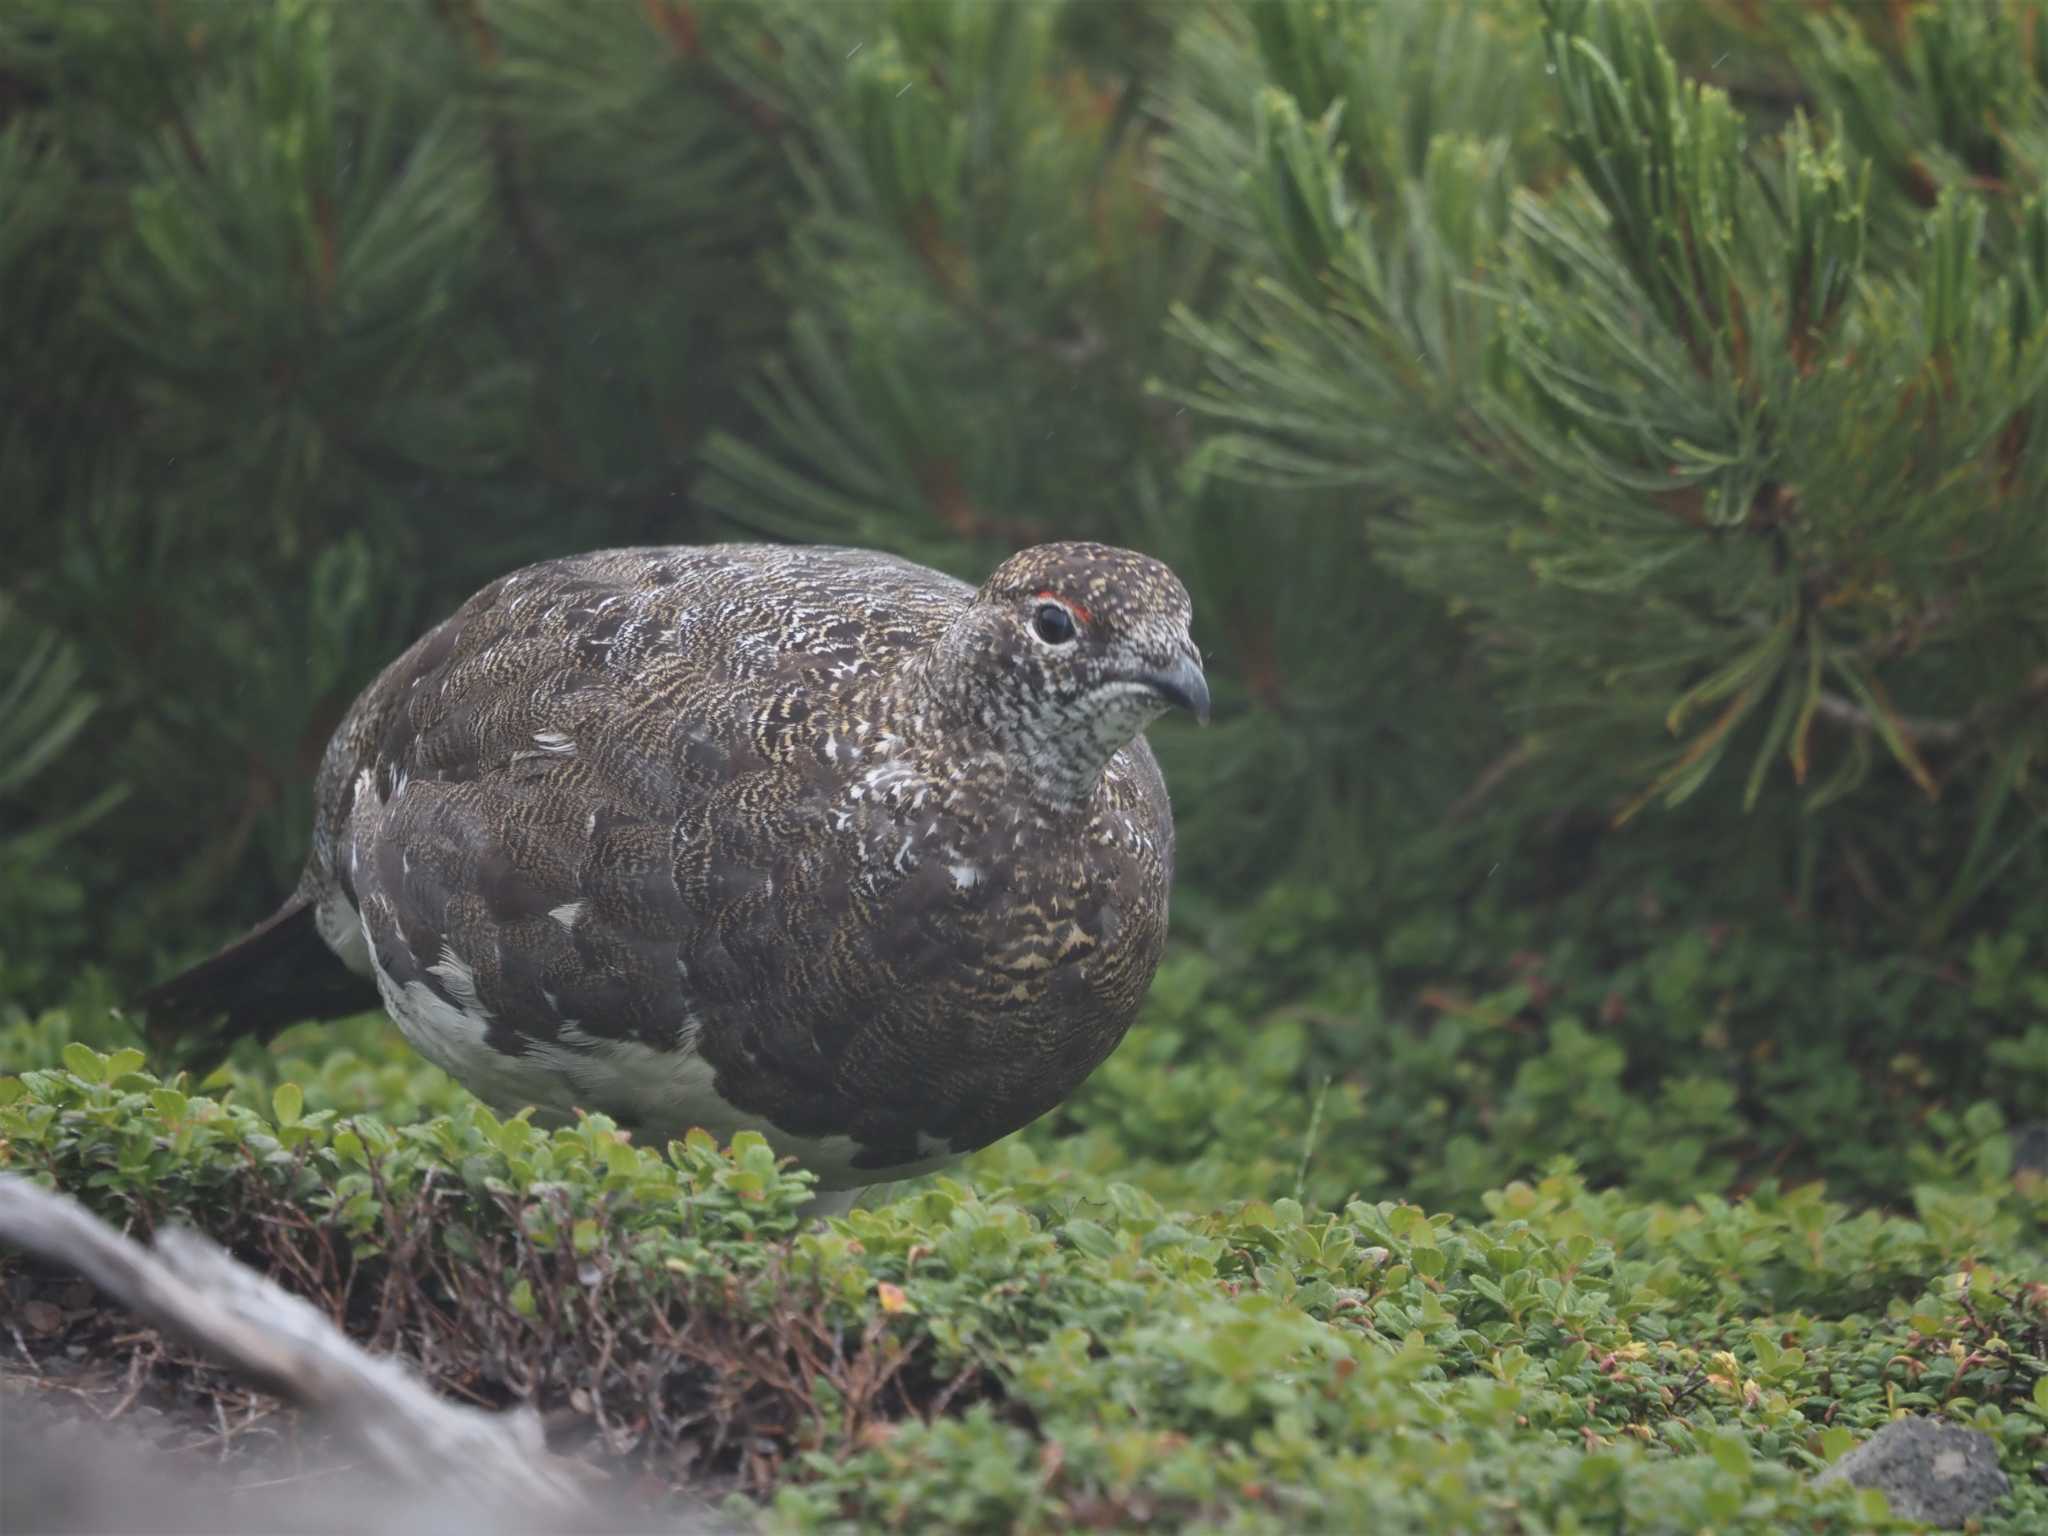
<point>1065,757</point>
<point>1058,755</point>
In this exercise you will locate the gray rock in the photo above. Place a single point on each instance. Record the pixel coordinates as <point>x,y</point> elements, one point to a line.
<point>1929,1470</point>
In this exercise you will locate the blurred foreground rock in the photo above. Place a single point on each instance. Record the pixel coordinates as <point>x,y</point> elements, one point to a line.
<point>1928,1469</point>
<point>413,1462</point>
<point>68,1476</point>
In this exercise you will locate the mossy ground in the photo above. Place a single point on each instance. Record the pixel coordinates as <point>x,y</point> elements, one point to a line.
<point>1206,1293</point>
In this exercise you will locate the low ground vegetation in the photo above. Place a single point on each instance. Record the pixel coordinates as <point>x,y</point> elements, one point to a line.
<point>1483,1270</point>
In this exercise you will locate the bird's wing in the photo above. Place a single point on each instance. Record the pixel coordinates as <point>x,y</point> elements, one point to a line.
<point>581,836</point>
<point>511,828</point>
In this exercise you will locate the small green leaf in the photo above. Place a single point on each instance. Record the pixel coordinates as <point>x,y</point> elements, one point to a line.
<point>1731,1451</point>
<point>85,1062</point>
<point>287,1102</point>
<point>1091,1237</point>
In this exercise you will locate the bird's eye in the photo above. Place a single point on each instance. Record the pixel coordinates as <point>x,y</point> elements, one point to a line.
<point>1053,624</point>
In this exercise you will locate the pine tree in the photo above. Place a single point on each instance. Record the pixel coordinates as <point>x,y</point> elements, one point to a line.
<point>1724,440</point>
<point>316,318</point>
<point>1568,416</point>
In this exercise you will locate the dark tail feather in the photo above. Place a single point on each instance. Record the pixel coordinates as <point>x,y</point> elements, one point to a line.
<point>278,973</point>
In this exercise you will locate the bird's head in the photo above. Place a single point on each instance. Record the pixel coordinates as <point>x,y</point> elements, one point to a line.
<point>1067,652</point>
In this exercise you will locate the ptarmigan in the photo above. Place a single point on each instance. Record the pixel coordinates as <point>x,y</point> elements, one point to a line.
<point>814,842</point>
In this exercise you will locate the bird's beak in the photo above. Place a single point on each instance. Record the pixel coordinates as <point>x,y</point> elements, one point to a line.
<point>1183,685</point>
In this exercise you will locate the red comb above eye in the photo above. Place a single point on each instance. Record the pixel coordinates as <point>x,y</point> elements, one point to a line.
<point>1047,595</point>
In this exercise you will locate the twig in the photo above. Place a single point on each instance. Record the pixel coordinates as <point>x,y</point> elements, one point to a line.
<point>27,1355</point>
<point>1921,731</point>
<point>195,1292</point>
<point>1924,732</point>
<point>1694,1380</point>
<point>138,1376</point>
<point>1497,773</point>
<point>299,1479</point>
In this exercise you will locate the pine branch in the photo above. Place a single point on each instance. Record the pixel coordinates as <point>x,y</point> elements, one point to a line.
<point>1926,732</point>
<point>1964,731</point>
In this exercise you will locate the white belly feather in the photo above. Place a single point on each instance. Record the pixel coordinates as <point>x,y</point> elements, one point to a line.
<point>657,1094</point>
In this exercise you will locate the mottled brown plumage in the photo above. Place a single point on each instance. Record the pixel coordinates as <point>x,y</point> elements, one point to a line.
<point>812,841</point>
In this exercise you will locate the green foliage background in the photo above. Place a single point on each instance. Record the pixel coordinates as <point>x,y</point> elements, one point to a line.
<point>1604,443</point>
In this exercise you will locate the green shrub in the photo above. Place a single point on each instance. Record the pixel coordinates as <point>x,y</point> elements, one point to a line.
<point>1062,1349</point>
<point>1662,1050</point>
